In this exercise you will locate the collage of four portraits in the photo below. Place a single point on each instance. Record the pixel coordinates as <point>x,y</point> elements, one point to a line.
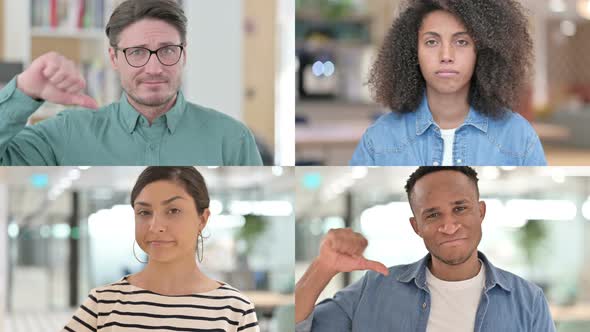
<point>294,165</point>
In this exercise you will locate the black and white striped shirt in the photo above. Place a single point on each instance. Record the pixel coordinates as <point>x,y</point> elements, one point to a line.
<point>123,307</point>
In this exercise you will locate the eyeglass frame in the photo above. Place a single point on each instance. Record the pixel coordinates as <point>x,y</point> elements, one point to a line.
<point>123,50</point>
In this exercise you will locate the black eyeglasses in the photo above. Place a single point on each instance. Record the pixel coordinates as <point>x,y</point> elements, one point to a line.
<point>137,57</point>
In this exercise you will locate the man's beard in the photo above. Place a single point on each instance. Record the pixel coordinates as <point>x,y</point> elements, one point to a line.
<point>152,103</point>
<point>157,102</point>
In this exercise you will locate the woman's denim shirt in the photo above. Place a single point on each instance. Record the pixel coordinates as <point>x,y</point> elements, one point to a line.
<point>413,139</point>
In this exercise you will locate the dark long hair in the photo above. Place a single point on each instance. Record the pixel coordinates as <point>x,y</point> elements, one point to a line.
<point>499,29</point>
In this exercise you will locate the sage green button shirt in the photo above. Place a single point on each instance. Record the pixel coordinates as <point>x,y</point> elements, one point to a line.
<point>117,134</point>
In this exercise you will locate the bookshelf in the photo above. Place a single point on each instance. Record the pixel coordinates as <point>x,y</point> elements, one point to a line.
<point>91,34</point>
<point>77,33</point>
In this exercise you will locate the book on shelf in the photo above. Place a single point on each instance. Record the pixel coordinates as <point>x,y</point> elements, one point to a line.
<point>102,83</point>
<point>70,14</point>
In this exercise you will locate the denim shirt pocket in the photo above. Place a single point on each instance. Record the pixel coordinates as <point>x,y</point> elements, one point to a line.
<point>490,150</point>
<point>510,141</point>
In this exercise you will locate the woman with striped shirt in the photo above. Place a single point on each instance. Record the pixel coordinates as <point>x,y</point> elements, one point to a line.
<point>171,207</point>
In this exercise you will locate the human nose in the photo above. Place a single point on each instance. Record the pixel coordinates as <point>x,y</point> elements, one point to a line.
<point>157,225</point>
<point>153,66</point>
<point>447,53</point>
<point>450,226</point>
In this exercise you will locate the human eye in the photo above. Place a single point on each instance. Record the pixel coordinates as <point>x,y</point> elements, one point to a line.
<point>430,42</point>
<point>136,51</point>
<point>168,50</point>
<point>174,211</point>
<point>463,42</point>
<point>142,213</point>
<point>460,209</point>
<point>433,215</point>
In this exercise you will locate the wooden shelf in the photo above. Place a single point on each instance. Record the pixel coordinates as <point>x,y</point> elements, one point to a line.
<point>43,32</point>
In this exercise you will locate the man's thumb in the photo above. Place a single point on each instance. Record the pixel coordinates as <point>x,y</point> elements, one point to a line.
<point>374,266</point>
<point>84,101</point>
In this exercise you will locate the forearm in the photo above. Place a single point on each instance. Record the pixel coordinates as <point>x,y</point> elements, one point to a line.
<point>15,109</point>
<point>16,105</point>
<point>309,288</point>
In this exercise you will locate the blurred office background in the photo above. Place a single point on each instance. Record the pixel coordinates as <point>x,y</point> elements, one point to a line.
<point>337,41</point>
<point>240,58</point>
<point>66,230</point>
<point>537,226</point>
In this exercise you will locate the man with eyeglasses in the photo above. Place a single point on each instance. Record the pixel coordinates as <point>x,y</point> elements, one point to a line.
<point>152,123</point>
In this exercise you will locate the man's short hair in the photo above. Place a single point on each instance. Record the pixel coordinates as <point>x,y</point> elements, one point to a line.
<point>424,170</point>
<point>132,11</point>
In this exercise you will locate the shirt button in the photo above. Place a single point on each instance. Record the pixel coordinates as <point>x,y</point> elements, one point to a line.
<point>436,163</point>
<point>424,305</point>
<point>459,161</point>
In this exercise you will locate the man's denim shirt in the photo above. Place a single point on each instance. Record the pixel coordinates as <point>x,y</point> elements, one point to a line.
<point>401,301</point>
<point>414,139</point>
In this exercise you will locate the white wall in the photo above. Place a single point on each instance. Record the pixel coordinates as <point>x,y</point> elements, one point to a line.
<point>3,253</point>
<point>285,84</point>
<point>16,22</point>
<point>213,75</point>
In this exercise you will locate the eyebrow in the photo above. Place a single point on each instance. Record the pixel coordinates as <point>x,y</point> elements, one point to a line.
<point>164,202</point>
<point>436,208</point>
<point>159,45</point>
<point>435,34</point>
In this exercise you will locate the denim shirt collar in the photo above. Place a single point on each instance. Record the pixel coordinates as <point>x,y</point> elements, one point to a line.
<point>131,117</point>
<point>417,272</point>
<point>424,118</point>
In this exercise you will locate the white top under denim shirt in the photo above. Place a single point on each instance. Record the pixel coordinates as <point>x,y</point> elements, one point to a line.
<point>448,136</point>
<point>401,302</point>
<point>414,139</point>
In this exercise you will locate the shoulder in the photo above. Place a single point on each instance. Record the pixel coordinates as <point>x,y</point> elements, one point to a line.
<point>392,120</point>
<point>391,124</point>
<point>514,134</point>
<point>511,122</point>
<point>121,286</point>
<point>235,297</point>
<point>518,284</point>
<point>214,119</point>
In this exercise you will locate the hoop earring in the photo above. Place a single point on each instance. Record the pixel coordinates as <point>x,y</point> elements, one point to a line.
<point>200,257</point>
<point>135,255</point>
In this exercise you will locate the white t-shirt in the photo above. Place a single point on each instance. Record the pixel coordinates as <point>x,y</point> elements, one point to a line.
<point>453,304</point>
<point>448,136</point>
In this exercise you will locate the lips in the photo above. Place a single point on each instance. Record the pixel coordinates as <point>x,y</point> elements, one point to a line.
<point>446,73</point>
<point>160,243</point>
<point>453,241</point>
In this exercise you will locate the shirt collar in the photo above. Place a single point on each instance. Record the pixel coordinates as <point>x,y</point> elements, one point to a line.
<point>417,272</point>
<point>424,118</point>
<point>172,118</point>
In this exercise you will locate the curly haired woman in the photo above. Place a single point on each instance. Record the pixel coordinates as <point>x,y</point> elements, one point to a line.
<point>451,71</point>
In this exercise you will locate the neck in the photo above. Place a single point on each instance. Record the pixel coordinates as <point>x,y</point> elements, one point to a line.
<point>178,277</point>
<point>448,110</point>
<point>463,271</point>
<point>152,112</point>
